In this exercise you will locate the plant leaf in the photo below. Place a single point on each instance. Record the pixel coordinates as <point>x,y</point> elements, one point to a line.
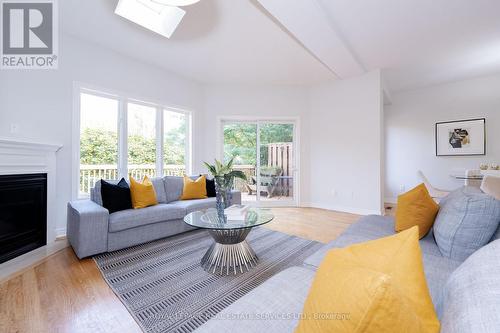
<point>211,169</point>
<point>218,167</point>
<point>229,164</point>
<point>238,174</point>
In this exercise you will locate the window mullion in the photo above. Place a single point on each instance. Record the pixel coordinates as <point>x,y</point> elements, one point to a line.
<point>257,169</point>
<point>122,139</point>
<point>159,142</point>
<point>188,145</point>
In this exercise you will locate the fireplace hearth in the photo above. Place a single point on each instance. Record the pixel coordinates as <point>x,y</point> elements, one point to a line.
<point>23,214</point>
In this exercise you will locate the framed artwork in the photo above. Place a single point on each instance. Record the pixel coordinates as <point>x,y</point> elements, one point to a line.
<point>461,137</point>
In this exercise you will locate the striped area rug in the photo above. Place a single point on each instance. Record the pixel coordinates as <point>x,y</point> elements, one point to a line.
<point>165,289</point>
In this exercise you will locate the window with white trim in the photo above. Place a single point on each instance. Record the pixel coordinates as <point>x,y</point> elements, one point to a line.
<point>122,137</point>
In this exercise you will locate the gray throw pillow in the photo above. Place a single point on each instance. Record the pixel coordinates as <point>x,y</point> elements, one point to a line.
<point>159,186</point>
<point>173,187</point>
<point>466,221</point>
<point>472,292</point>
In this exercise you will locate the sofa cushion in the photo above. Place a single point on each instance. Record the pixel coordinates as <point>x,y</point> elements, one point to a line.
<point>173,187</point>
<point>437,270</point>
<point>416,207</point>
<point>132,218</point>
<point>115,197</point>
<point>257,312</point>
<point>143,193</point>
<point>369,228</point>
<point>466,221</point>
<point>211,188</point>
<point>390,293</point>
<point>436,267</point>
<point>193,205</point>
<point>95,192</point>
<point>472,293</point>
<point>159,186</point>
<point>366,228</point>
<point>194,189</point>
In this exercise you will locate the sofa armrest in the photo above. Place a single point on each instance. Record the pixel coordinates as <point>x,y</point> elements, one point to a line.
<point>236,198</point>
<point>87,227</point>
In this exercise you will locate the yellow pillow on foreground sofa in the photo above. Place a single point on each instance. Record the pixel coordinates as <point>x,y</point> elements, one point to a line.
<point>378,286</point>
<point>142,194</point>
<point>416,208</point>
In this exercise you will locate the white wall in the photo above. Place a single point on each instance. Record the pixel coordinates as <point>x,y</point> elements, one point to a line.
<point>267,101</point>
<point>346,145</point>
<point>409,127</point>
<point>41,102</point>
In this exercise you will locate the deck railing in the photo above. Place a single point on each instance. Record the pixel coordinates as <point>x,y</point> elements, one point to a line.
<point>249,171</point>
<point>90,174</point>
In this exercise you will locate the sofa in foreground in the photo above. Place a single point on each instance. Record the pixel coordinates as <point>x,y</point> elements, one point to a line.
<point>465,293</point>
<point>91,229</point>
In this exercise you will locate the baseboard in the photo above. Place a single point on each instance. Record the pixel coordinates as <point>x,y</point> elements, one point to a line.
<point>339,208</point>
<point>391,200</point>
<point>61,233</point>
<point>18,265</point>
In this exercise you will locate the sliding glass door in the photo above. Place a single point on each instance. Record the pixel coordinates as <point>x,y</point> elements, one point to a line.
<point>265,152</point>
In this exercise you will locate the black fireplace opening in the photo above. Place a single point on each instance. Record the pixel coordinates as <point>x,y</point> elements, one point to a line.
<point>23,214</point>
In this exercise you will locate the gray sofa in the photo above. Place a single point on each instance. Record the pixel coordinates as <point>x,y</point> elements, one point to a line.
<point>466,295</point>
<point>92,230</point>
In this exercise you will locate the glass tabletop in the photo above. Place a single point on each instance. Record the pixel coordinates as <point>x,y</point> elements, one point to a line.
<point>209,219</point>
<point>472,177</point>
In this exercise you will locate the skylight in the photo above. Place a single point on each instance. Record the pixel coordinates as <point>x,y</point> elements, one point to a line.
<point>151,15</point>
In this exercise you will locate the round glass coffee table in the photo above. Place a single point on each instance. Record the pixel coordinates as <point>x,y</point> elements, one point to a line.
<point>230,252</point>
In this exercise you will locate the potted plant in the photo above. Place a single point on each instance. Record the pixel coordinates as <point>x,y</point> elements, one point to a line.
<point>224,176</point>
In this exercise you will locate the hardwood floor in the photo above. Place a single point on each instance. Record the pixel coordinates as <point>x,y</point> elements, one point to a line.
<point>311,223</point>
<point>65,294</point>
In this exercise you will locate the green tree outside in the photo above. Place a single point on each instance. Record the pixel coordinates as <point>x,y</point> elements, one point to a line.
<point>98,147</point>
<point>240,141</point>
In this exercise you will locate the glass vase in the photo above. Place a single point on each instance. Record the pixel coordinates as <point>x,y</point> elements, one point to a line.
<point>223,197</point>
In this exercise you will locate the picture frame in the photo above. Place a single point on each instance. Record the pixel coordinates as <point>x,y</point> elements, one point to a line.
<point>461,137</point>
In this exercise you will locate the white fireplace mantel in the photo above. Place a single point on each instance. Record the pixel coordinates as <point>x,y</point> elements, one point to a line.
<point>19,156</point>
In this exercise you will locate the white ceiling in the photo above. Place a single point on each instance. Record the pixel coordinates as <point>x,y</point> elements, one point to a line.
<point>218,41</point>
<point>415,42</point>
<point>421,42</point>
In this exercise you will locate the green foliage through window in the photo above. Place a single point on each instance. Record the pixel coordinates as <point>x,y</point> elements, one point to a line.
<point>240,141</point>
<point>99,146</point>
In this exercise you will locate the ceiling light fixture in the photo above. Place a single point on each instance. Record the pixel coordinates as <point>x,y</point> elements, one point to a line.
<point>175,3</point>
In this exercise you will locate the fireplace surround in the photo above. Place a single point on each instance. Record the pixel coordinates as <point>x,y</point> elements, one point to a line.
<point>29,161</point>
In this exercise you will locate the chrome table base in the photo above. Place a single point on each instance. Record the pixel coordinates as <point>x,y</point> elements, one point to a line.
<point>230,253</point>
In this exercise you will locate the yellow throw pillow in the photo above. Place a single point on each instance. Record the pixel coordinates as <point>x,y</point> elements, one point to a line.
<point>377,286</point>
<point>142,194</point>
<point>416,208</point>
<point>194,189</point>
